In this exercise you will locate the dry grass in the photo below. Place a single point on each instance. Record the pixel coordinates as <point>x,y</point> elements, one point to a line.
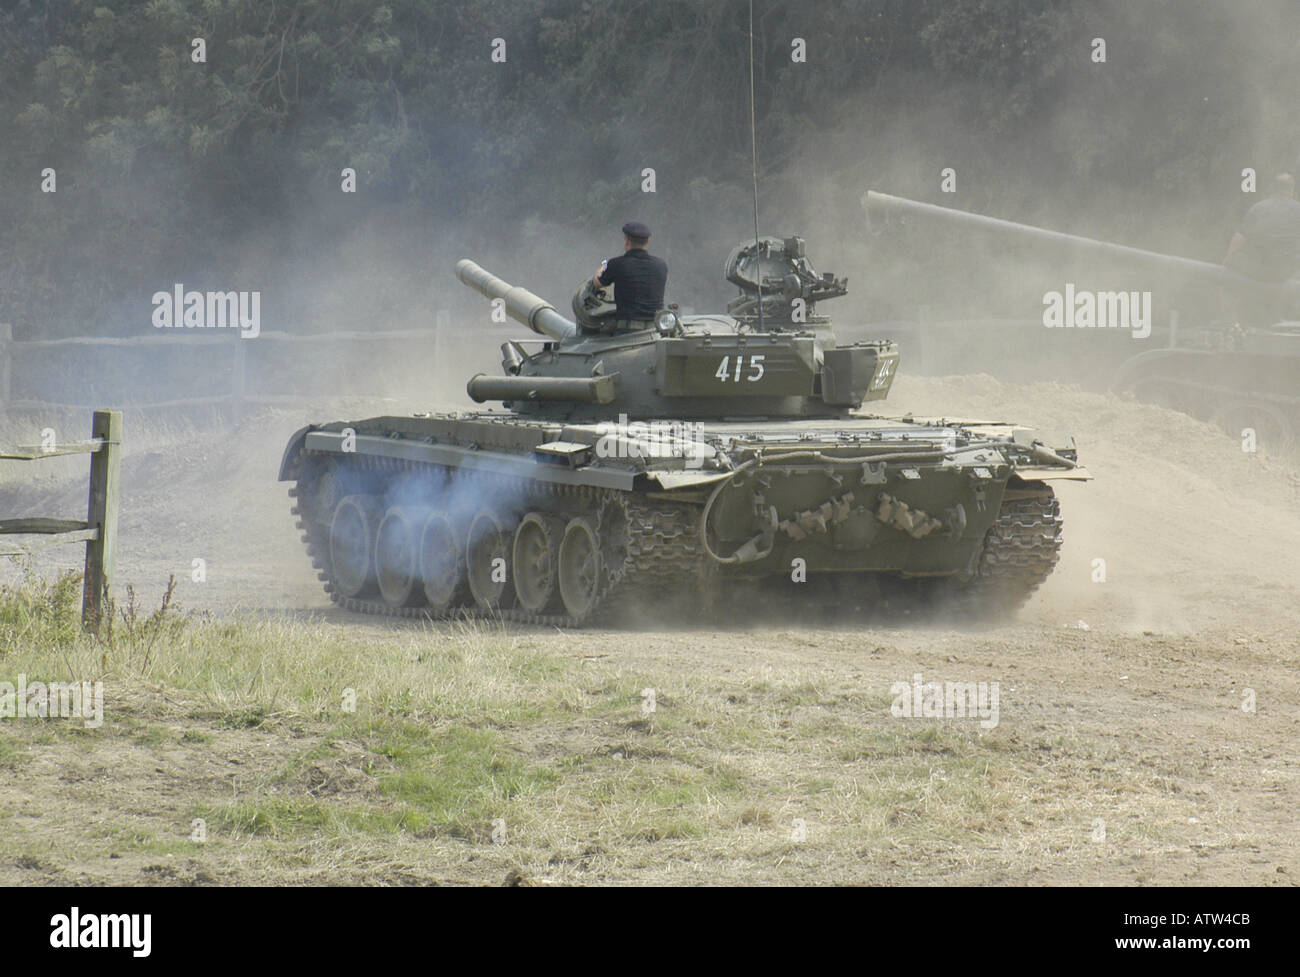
<point>467,752</point>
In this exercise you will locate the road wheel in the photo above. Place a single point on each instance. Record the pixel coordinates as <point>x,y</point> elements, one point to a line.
<point>442,564</point>
<point>580,568</point>
<point>488,561</point>
<point>352,545</point>
<point>397,562</point>
<point>534,559</point>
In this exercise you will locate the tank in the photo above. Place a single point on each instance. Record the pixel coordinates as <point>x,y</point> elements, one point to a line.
<point>1242,373</point>
<point>718,455</point>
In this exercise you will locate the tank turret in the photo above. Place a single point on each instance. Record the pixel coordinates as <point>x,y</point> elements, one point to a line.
<point>770,355</point>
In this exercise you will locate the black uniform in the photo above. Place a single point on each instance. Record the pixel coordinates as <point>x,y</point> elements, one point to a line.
<point>639,279</point>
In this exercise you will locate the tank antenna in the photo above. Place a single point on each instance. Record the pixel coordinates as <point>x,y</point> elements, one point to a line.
<point>753,145</point>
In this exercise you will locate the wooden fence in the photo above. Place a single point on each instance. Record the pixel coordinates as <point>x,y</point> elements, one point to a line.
<point>229,361</point>
<point>99,529</point>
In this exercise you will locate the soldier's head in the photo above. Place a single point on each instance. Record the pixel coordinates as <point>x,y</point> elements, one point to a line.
<point>635,235</point>
<point>1284,185</point>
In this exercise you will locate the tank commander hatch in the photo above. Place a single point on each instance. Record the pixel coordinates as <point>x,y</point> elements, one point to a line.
<point>638,278</point>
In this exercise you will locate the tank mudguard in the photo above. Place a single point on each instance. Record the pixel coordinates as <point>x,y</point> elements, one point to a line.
<point>289,463</point>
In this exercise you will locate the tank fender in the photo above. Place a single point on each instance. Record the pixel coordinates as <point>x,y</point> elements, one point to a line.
<point>289,463</point>
<point>1077,474</point>
<point>670,480</point>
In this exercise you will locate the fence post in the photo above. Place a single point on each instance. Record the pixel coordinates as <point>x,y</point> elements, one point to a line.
<point>237,380</point>
<point>101,514</point>
<point>6,356</point>
<point>923,341</point>
<point>442,330</point>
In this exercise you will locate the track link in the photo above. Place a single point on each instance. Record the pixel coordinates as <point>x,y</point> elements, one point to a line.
<point>1020,551</point>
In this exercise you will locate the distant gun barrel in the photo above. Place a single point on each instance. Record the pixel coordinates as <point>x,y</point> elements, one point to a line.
<point>521,305</point>
<point>883,205</point>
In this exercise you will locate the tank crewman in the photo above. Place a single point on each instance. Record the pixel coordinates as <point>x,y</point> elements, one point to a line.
<point>1266,244</point>
<point>638,278</point>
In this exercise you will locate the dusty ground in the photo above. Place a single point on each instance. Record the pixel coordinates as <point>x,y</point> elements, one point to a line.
<point>1122,753</point>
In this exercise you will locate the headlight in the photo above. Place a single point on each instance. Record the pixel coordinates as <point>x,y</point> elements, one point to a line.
<point>667,323</point>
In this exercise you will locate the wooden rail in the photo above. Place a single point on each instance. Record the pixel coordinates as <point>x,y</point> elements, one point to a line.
<point>99,529</point>
<point>235,392</point>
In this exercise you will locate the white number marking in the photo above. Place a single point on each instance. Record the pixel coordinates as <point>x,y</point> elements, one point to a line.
<point>756,367</point>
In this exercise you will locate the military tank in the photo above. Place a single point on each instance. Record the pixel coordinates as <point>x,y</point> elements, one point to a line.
<point>1238,373</point>
<point>702,453</point>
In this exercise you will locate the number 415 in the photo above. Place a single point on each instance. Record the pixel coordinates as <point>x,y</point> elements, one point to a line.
<point>724,373</point>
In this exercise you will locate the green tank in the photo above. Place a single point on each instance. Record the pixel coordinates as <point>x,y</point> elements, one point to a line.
<point>709,454</point>
<point>1238,374</point>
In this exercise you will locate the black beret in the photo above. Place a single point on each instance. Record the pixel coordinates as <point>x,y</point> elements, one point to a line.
<point>636,229</point>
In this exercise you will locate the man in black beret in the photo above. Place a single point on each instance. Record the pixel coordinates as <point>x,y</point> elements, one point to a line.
<point>638,278</point>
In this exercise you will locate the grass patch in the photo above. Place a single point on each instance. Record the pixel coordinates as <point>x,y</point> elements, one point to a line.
<point>452,781</point>
<point>136,839</point>
<point>152,737</point>
<point>457,779</point>
<point>10,755</point>
<point>250,718</point>
<point>289,817</point>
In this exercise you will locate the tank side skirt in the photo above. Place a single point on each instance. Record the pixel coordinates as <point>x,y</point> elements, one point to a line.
<point>463,458</point>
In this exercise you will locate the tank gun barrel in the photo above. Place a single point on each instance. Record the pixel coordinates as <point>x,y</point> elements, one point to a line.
<point>883,205</point>
<point>521,305</point>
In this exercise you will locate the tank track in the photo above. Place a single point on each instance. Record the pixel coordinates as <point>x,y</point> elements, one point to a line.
<point>1020,551</point>
<point>652,546</point>
<point>658,545</point>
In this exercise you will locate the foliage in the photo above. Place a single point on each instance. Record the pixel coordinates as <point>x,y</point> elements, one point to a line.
<point>174,171</point>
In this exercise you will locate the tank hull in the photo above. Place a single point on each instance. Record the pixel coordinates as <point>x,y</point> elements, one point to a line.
<point>1252,390</point>
<point>490,514</point>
